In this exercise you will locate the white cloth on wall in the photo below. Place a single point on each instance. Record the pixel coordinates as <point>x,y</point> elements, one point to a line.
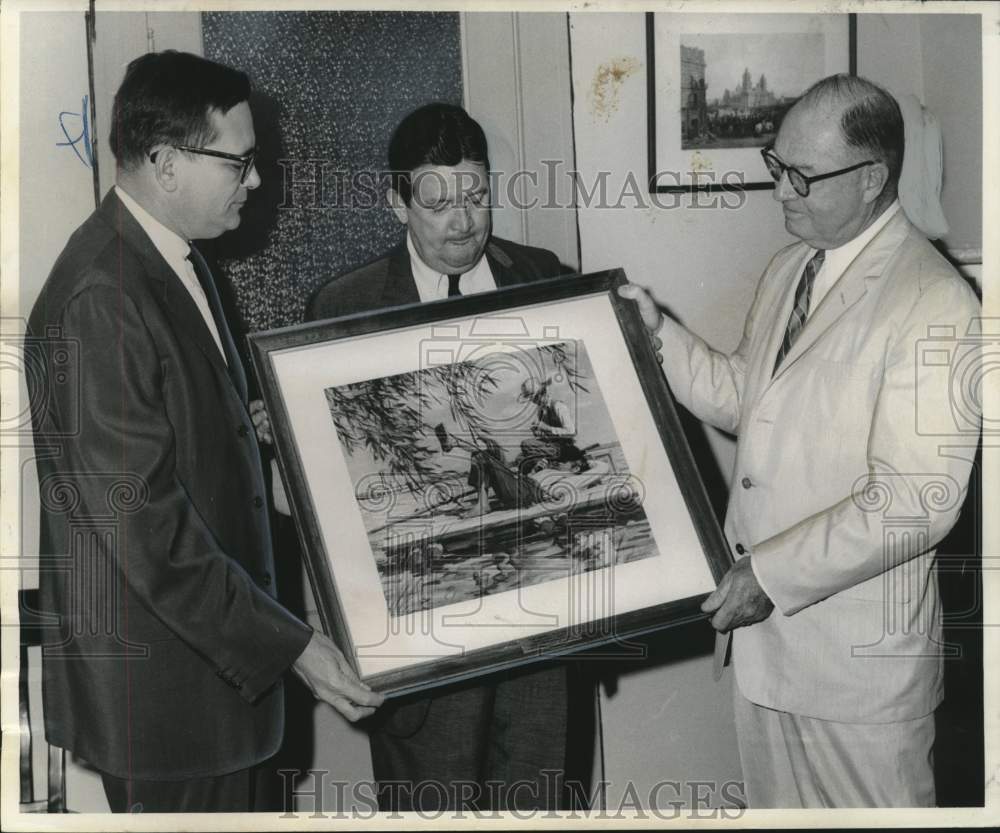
<point>920,181</point>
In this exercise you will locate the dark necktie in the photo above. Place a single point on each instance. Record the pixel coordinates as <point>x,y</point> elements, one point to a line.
<point>236,373</point>
<point>797,320</point>
<point>453,286</point>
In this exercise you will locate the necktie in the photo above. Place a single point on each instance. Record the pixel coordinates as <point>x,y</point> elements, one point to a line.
<point>235,368</point>
<point>797,320</point>
<point>453,285</point>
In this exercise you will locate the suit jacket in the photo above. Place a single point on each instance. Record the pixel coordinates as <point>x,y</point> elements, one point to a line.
<point>837,493</point>
<point>388,281</point>
<point>166,657</point>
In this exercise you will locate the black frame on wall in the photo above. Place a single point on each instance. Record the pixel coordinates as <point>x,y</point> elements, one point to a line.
<point>655,187</point>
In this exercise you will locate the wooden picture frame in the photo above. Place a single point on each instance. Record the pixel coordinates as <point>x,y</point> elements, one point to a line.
<point>702,138</point>
<point>379,421</point>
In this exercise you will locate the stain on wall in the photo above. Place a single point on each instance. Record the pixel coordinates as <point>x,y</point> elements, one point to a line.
<point>607,84</point>
<point>329,87</point>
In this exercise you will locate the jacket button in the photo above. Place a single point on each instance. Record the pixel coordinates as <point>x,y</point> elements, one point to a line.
<point>740,549</point>
<point>745,482</point>
<point>258,501</point>
<point>242,430</point>
<point>266,579</point>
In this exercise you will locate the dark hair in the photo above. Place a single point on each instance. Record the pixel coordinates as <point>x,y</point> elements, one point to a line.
<point>166,98</point>
<point>871,120</point>
<point>435,134</point>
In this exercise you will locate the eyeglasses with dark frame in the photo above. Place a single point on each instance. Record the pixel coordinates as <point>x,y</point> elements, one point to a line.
<point>799,181</point>
<point>246,161</point>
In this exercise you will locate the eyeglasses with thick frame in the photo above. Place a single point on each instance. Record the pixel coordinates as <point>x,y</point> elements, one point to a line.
<point>246,161</point>
<point>799,181</point>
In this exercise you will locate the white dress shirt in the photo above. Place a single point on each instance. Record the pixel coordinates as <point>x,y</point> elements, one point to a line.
<point>432,285</point>
<point>174,250</point>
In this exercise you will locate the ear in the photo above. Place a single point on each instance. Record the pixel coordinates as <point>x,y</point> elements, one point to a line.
<point>397,205</point>
<point>875,179</point>
<point>165,167</point>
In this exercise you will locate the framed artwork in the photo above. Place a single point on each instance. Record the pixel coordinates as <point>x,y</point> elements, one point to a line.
<point>718,86</point>
<point>487,480</point>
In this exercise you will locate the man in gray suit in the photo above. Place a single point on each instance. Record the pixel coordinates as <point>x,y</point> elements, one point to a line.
<point>501,742</point>
<point>163,665</point>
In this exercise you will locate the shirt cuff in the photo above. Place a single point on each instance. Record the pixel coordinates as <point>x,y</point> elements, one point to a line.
<point>753,567</point>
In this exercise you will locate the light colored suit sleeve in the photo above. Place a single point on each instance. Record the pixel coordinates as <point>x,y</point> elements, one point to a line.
<point>705,381</point>
<point>909,470</point>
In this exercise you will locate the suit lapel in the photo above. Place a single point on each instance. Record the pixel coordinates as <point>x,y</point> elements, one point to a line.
<point>178,305</point>
<point>399,287</point>
<point>850,288</point>
<point>500,265</point>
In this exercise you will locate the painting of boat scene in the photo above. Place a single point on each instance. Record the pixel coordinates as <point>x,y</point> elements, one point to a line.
<point>487,475</point>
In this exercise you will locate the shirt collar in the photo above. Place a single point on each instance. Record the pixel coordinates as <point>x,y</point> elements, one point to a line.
<point>427,279</point>
<point>837,260</point>
<point>431,283</point>
<point>172,246</point>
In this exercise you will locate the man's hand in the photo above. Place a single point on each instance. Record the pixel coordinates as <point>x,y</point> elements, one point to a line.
<point>261,422</point>
<point>650,312</point>
<point>738,600</point>
<point>330,678</point>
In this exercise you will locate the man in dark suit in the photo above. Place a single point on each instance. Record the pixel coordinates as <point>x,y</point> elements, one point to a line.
<point>163,669</point>
<point>501,742</point>
<point>441,193</point>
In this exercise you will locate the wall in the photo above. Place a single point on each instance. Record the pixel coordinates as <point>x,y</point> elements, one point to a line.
<point>937,58</point>
<point>56,179</point>
<point>666,718</point>
<point>329,88</point>
<point>517,85</point>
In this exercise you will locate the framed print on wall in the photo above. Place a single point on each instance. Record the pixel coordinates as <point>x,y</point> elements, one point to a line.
<point>484,481</point>
<point>718,86</point>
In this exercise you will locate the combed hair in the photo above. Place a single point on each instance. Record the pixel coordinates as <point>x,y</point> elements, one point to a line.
<point>871,120</point>
<point>435,134</point>
<point>166,98</point>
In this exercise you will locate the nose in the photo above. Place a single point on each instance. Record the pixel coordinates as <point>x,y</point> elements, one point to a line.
<point>783,190</point>
<point>462,218</point>
<point>253,178</point>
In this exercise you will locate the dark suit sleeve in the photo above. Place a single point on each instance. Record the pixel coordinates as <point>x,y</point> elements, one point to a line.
<point>552,267</point>
<point>168,557</point>
<point>322,304</point>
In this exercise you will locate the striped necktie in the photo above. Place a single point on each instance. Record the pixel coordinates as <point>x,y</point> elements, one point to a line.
<point>453,285</point>
<point>797,320</point>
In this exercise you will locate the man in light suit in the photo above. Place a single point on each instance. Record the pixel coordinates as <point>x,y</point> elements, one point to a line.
<point>838,497</point>
<point>163,669</point>
<point>498,743</point>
